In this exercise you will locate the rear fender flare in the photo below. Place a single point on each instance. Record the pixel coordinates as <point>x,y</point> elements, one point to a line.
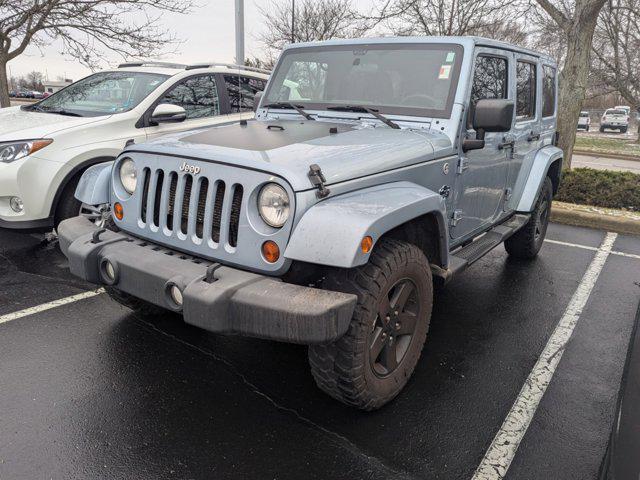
<point>331,232</point>
<point>539,170</point>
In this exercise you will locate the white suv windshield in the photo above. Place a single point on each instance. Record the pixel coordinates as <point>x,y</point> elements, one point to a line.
<point>101,94</point>
<point>616,112</point>
<point>403,79</point>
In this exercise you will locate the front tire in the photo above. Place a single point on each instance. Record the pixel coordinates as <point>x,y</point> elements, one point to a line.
<point>527,242</point>
<point>373,361</point>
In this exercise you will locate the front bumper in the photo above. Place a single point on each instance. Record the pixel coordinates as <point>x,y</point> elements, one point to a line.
<point>235,302</point>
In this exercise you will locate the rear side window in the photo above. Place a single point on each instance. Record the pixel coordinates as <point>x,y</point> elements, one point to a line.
<point>525,90</point>
<point>549,92</point>
<point>197,95</point>
<point>242,90</point>
<point>490,80</point>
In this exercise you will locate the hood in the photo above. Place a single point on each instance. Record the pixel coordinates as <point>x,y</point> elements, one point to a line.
<point>18,124</point>
<point>344,151</point>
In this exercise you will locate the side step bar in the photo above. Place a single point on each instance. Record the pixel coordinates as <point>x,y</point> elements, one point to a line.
<point>462,258</point>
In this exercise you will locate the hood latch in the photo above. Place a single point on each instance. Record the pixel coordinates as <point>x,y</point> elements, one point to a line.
<point>317,180</point>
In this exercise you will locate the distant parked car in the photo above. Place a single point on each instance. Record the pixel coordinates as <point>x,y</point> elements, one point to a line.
<point>45,147</point>
<point>615,119</point>
<point>38,95</point>
<point>584,121</point>
<point>13,93</point>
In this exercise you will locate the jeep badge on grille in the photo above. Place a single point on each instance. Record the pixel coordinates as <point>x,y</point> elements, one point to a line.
<point>185,167</point>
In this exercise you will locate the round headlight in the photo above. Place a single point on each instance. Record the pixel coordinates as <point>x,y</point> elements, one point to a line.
<point>273,205</point>
<point>128,175</point>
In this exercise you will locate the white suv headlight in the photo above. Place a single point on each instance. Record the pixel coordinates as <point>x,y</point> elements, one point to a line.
<point>273,205</point>
<point>12,151</point>
<point>128,175</point>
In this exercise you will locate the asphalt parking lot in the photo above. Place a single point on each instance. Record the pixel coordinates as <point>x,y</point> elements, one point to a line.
<point>88,390</point>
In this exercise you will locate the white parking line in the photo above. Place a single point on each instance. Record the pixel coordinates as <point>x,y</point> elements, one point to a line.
<point>587,247</point>
<point>503,448</point>
<point>48,306</point>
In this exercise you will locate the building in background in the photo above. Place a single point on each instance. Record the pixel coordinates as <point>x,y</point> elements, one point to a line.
<point>52,86</point>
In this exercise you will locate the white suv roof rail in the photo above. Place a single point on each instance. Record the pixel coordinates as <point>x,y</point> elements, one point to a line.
<point>228,65</point>
<point>152,64</point>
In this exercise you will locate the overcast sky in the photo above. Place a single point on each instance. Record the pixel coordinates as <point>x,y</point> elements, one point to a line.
<point>208,34</point>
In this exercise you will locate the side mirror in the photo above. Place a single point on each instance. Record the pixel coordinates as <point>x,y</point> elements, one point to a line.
<point>168,113</point>
<point>256,100</point>
<point>490,115</point>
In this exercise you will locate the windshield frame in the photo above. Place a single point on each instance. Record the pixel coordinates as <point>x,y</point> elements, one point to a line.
<point>385,110</point>
<point>91,113</point>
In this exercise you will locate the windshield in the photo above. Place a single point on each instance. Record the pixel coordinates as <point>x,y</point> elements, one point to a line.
<point>102,94</point>
<point>403,79</point>
<point>584,114</point>
<point>616,112</point>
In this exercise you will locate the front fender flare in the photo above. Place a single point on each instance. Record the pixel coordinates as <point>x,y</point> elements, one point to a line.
<point>330,233</point>
<point>95,184</point>
<point>541,163</point>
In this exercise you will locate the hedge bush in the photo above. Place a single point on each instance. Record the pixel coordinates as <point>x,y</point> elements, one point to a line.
<point>600,188</point>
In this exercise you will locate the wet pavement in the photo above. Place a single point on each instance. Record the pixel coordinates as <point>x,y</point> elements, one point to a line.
<point>88,390</point>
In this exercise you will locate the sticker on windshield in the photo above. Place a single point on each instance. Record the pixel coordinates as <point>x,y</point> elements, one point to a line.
<point>445,71</point>
<point>450,57</point>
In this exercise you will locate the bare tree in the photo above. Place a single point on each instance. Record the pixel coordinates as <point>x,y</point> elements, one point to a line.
<point>32,81</point>
<point>616,49</point>
<point>487,18</point>
<point>577,21</point>
<point>86,28</point>
<point>314,20</point>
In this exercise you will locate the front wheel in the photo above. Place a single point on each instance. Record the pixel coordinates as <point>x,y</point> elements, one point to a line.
<point>373,361</point>
<point>527,242</point>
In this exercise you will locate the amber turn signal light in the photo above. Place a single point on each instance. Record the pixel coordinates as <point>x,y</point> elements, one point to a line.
<point>118,211</point>
<point>270,251</point>
<point>367,243</point>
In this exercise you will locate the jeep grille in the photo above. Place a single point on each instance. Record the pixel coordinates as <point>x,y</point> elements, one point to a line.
<point>192,196</point>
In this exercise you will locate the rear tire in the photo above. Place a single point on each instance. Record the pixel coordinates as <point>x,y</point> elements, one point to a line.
<point>601,129</point>
<point>527,242</point>
<point>373,361</point>
<point>623,130</point>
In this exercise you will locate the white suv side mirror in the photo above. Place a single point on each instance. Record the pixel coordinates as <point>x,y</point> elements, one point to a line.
<point>168,113</point>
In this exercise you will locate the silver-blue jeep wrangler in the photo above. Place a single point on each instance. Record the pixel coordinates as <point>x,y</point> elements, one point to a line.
<point>373,168</point>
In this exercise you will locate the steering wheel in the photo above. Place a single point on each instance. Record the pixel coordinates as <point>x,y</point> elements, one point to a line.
<point>418,96</point>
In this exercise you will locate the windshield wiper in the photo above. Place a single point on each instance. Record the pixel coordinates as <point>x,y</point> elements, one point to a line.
<point>290,105</point>
<point>38,108</point>
<point>363,109</point>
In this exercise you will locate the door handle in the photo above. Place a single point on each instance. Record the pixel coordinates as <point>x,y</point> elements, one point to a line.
<point>533,136</point>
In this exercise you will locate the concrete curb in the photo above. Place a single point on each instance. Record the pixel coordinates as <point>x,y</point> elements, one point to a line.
<point>602,219</point>
<point>617,156</point>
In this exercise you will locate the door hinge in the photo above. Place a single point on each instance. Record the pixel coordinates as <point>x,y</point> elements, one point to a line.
<point>317,180</point>
<point>463,164</point>
<point>456,217</point>
<point>507,194</point>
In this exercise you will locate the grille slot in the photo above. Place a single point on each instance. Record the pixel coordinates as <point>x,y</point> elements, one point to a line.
<point>202,204</point>
<point>158,197</point>
<point>173,186</point>
<point>186,198</point>
<point>217,211</point>
<point>145,194</point>
<point>234,217</point>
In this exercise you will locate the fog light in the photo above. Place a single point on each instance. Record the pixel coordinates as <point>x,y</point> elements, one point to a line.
<point>16,204</point>
<point>109,271</point>
<point>176,295</point>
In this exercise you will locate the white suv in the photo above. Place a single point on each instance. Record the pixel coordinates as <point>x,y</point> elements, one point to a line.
<point>45,147</point>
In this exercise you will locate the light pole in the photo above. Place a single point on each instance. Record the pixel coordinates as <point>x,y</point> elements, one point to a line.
<point>293,21</point>
<point>240,32</point>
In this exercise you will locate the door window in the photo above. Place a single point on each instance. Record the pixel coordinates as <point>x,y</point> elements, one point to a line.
<point>525,90</point>
<point>548,91</point>
<point>197,95</point>
<point>242,90</point>
<point>490,80</point>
